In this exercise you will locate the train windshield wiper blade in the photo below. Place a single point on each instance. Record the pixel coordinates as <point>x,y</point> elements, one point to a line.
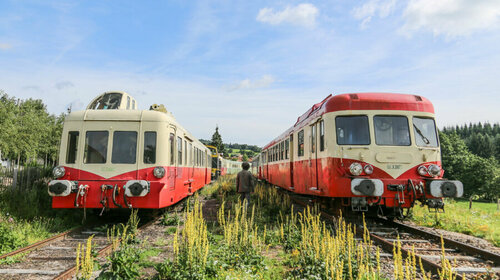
<point>426,141</point>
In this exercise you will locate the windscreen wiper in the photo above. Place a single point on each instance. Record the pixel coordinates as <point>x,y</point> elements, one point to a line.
<point>426,141</point>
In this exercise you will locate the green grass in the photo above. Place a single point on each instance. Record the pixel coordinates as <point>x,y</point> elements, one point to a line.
<point>483,220</point>
<point>26,216</point>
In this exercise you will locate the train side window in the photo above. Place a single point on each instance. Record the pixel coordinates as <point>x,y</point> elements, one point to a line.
<point>391,130</point>
<point>322,136</point>
<point>124,147</point>
<point>72,148</point>
<point>313,138</point>
<point>352,130</point>
<point>282,150</point>
<point>96,147</point>
<point>287,148</point>
<point>128,102</point>
<point>190,154</point>
<point>171,140</point>
<point>300,143</point>
<point>179,150</point>
<point>133,104</point>
<point>149,147</point>
<point>185,153</point>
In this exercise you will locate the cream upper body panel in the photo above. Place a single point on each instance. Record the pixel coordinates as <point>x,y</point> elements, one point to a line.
<point>395,160</point>
<point>140,121</point>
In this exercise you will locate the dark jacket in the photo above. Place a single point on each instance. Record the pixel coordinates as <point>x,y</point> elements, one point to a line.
<point>245,181</point>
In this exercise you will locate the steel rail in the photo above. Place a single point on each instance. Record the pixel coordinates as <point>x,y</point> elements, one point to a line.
<point>70,272</point>
<point>487,255</point>
<point>40,244</point>
<point>386,245</point>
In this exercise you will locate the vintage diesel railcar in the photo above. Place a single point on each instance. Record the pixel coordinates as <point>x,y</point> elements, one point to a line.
<point>115,156</point>
<point>362,151</point>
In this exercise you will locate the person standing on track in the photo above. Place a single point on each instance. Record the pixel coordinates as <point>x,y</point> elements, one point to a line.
<point>245,183</point>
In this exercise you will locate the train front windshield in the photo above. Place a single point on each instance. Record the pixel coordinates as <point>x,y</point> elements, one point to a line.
<point>425,132</point>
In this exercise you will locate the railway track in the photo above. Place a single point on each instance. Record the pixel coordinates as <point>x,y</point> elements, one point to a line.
<point>469,262</point>
<point>55,257</point>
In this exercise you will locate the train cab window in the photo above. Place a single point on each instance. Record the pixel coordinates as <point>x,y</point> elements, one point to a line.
<point>171,140</point>
<point>128,102</point>
<point>108,101</point>
<point>133,104</point>
<point>425,132</point>
<point>391,130</point>
<point>124,147</point>
<point>149,147</point>
<point>179,151</point>
<point>287,148</point>
<point>72,148</point>
<point>352,130</point>
<point>96,147</point>
<point>300,143</point>
<point>322,136</point>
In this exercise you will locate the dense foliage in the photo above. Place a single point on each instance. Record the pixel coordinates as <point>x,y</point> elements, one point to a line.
<point>28,132</point>
<point>471,154</point>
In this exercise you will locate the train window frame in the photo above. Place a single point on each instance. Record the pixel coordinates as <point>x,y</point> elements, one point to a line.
<point>185,153</point>
<point>282,153</point>
<point>300,143</point>
<point>353,116</point>
<point>118,150</point>
<point>72,147</point>
<point>416,132</point>
<point>321,135</point>
<point>151,153</point>
<point>171,140</point>
<point>86,152</point>
<point>391,144</point>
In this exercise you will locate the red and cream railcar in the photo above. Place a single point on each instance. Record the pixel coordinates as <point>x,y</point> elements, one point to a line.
<point>115,156</point>
<point>362,150</point>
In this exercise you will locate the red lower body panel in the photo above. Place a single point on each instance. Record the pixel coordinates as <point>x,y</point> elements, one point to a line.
<point>177,183</point>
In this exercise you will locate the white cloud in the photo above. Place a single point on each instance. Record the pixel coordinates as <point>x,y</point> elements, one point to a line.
<point>5,46</point>
<point>302,14</point>
<point>367,11</point>
<point>451,17</point>
<point>263,82</point>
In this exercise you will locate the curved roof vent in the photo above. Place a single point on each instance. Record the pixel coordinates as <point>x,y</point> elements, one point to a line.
<point>353,96</point>
<point>418,98</point>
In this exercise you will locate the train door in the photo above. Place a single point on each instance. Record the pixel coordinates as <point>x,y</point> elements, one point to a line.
<point>313,158</point>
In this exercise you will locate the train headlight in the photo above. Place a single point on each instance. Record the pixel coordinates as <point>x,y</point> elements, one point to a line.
<point>422,170</point>
<point>159,172</point>
<point>368,169</point>
<point>356,169</point>
<point>434,170</point>
<point>58,171</point>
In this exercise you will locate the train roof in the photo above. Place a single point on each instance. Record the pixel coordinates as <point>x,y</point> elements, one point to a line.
<point>360,101</point>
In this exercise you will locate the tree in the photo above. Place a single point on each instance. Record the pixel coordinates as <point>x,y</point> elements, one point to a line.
<point>217,141</point>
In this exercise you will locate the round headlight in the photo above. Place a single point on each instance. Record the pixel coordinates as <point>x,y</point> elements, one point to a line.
<point>368,169</point>
<point>355,169</point>
<point>434,170</point>
<point>159,172</point>
<point>422,170</point>
<point>58,171</point>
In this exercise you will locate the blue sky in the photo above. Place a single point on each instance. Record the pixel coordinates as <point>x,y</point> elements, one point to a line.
<point>252,67</point>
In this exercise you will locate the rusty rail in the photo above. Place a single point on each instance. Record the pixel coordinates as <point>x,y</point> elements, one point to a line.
<point>39,244</point>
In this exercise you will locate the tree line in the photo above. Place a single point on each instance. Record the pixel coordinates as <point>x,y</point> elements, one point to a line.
<point>28,133</point>
<point>471,154</point>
